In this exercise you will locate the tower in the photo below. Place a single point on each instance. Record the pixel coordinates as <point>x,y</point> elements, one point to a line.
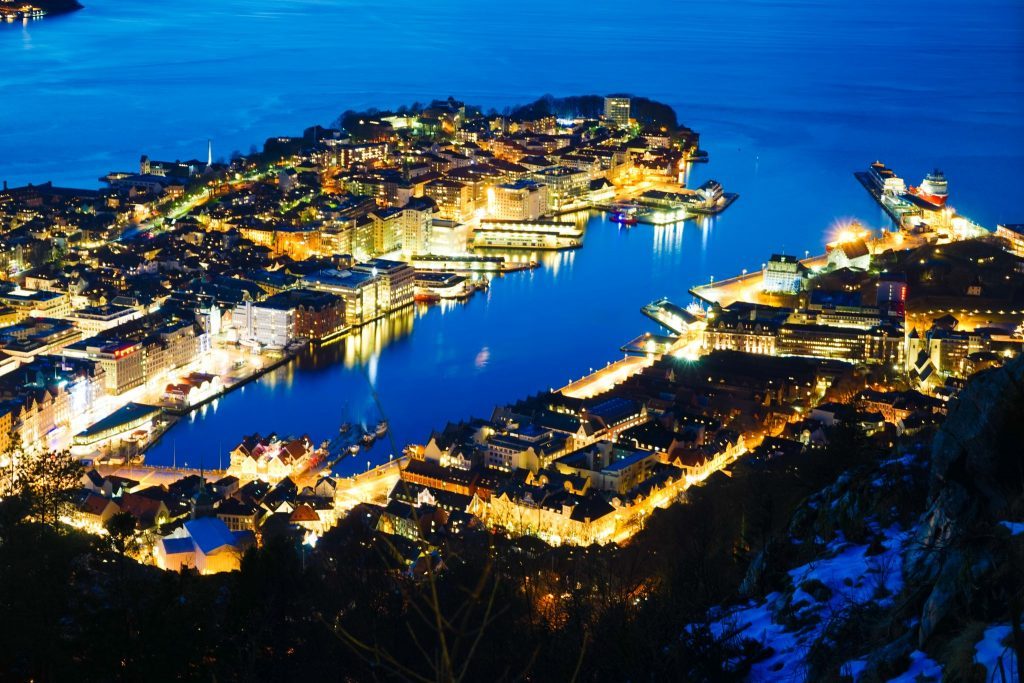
<point>209,153</point>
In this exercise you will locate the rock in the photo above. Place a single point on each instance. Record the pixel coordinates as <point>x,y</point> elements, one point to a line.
<point>816,589</point>
<point>977,457</point>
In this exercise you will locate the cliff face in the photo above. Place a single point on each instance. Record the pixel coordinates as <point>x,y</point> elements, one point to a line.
<point>911,567</point>
<point>977,481</point>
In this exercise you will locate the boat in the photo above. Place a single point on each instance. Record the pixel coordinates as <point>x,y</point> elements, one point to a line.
<point>624,218</point>
<point>427,297</point>
<point>345,428</point>
<point>353,449</point>
<point>934,189</point>
<point>369,438</point>
<point>381,429</point>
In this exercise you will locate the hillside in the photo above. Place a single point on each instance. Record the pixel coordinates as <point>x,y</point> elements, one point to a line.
<point>908,570</point>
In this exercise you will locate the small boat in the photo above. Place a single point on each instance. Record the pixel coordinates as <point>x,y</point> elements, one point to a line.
<point>382,428</point>
<point>345,428</point>
<point>624,218</point>
<point>353,449</point>
<point>427,297</point>
<point>369,438</point>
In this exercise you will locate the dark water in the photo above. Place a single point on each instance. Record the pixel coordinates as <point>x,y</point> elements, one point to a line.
<point>790,98</point>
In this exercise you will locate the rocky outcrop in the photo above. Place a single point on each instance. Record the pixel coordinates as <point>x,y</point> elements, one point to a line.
<point>977,471</point>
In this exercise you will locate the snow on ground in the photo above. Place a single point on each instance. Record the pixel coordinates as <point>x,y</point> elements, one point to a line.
<point>1014,527</point>
<point>998,659</point>
<point>852,577</point>
<point>922,668</point>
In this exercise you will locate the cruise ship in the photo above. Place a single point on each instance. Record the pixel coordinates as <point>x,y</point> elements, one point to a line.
<point>933,189</point>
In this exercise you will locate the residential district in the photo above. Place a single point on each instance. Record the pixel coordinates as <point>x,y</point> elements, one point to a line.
<point>127,306</point>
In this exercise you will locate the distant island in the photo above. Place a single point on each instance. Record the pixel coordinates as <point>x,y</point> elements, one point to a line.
<point>35,9</point>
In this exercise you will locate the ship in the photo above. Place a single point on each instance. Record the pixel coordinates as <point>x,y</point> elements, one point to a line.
<point>353,449</point>
<point>427,297</point>
<point>382,428</point>
<point>625,216</point>
<point>934,189</point>
<point>369,438</point>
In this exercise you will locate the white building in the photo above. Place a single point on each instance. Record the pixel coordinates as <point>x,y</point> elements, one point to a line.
<point>523,200</point>
<point>783,275</point>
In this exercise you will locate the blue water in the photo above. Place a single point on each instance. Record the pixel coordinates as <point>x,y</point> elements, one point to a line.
<point>790,98</point>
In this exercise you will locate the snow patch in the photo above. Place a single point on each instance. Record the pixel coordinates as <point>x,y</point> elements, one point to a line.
<point>922,668</point>
<point>994,656</point>
<point>1014,527</point>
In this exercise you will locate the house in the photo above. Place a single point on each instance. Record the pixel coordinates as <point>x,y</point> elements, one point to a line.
<point>95,511</point>
<point>270,458</point>
<point>238,515</point>
<point>205,544</point>
<point>850,254</point>
<point>148,512</point>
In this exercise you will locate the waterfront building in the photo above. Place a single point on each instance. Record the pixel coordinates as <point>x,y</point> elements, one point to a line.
<point>527,234</point>
<point>395,280</point>
<point>1013,233</point>
<point>891,295</point>
<point>783,275</point>
<point>270,458</point>
<point>297,313</point>
<point>358,289</point>
<point>617,110</point>
<point>270,325</point>
<point>444,285</point>
<point>192,389</point>
<point>523,200</point>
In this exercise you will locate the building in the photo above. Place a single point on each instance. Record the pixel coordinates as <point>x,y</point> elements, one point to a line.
<point>293,314</point>
<point>454,199</point>
<point>523,448</point>
<point>36,303</point>
<point>205,544</point>
<point>534,234</point>
<point>396,282</point>
<point>892,293</point>
<point>523,200</point>
<point>850,254</point>
<point>609,467</point>
<point>616,110</point>
<point>566,185</point>
<point>298,243</point>
<point>358,289</point>
<point>95,319</point>
<point>783,275</point>
<point>270,458</point>
<point>1013,233</point>
<point>139,352</point>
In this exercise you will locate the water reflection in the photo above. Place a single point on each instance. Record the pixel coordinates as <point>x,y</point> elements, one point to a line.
<point>360,348</point>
